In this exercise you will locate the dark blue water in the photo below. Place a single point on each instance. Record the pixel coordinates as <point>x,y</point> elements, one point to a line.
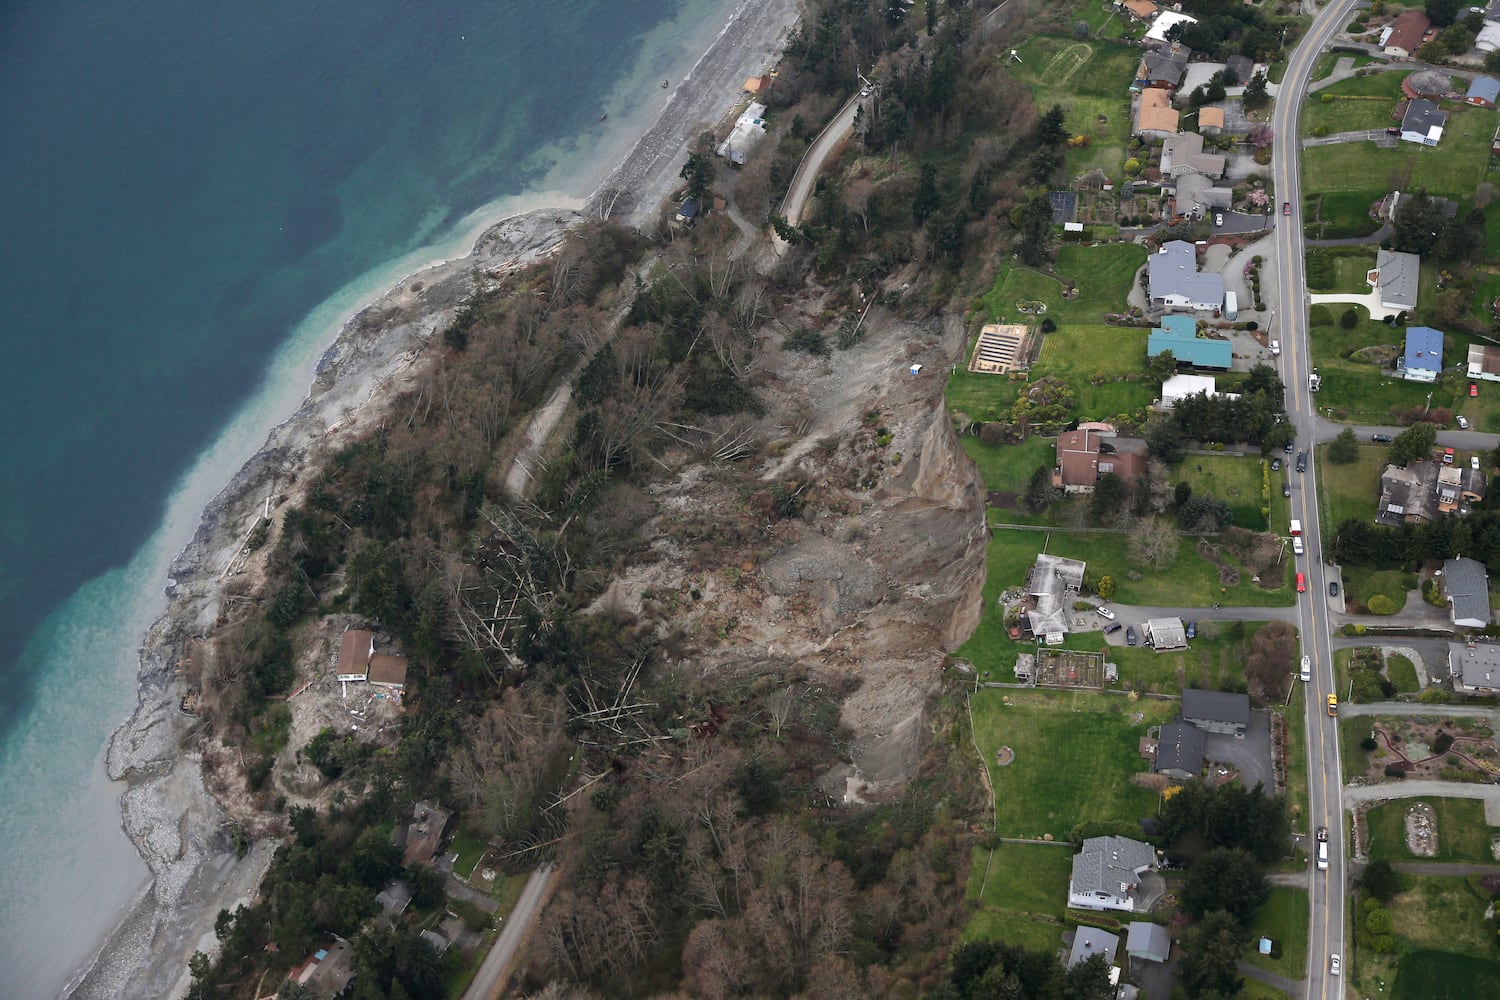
<point>182,182</point>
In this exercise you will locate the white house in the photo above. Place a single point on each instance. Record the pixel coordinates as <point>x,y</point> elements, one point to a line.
<point>1107,874</point>
<point>748,130</point>
<point>1164,22</point>
<point>1423,122</point>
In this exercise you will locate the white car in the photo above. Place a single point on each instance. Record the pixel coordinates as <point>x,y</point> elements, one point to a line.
<point>1334,965</point>
<point>1306,669</point>
<point>1218,218</point>
<point>1463,422</point>
<point>1104,612</point>
<point>1474,462</point>
<point>1275,348</point>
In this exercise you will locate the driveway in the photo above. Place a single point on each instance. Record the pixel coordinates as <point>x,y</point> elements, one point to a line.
<point>1244,222</point>
<point>1488,794</point>
<point>1378,136</point>
<point>1250,755</point>
<point>1370,300</point>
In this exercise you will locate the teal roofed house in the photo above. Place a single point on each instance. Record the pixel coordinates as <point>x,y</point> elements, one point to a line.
<point>1179,334</point>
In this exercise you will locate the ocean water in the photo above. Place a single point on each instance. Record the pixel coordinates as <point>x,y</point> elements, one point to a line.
<point>193,196</point>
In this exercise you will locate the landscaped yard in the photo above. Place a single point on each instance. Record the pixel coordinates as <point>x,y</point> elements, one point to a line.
<point>1359,382</point>
<point>1454,168</point>
<point>1329,215</point>
<point>1074,755</point>
<point>1339,269</point>
<point>1283,919</point>
<point>1463,835</point>
<point>1348,492</point>
<point>1090,80</point>
<point>1403,673</point>
<point>1103,276</point>
<point>1362,583</point>
<point>1364,102</point>
<point>1021,893</point>
<point>1235,479</point>
<point>1090,358</point>
<point>1444,945</point>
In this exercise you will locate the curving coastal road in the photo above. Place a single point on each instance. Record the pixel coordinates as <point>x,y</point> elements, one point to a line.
<point>1325,782</point>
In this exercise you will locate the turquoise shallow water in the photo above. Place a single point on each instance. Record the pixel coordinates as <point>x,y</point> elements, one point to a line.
<point>190,188</point>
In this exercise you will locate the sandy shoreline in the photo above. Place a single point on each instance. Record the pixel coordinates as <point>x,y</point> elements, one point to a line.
<point>175,825</point>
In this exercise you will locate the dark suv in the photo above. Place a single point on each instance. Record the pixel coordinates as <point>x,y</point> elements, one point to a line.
<point>1130,636</point>
<point>1301,461</point>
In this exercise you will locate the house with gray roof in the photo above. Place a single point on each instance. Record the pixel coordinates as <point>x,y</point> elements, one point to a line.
<point>1183,154</point>
<point>1166,633</point>
<point>1395,278</point>
<point>1162,68</point>
<point>1216,711</point>
<point>1423,122</point>
<point>1091,941</point>
<point>1466,588</point>
<point>1197,196</point>
<point>1147,941</point>
<point>1053,583</point>
<point>1107,874</point>
<point>1474,667</point>
<point>1404,497</point>
<point>1179,751</point>
<point>1174,282</point>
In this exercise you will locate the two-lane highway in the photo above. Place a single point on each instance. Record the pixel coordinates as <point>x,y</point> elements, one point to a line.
<point>1325,782</point>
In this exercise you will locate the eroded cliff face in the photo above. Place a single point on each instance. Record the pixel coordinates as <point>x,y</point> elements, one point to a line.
<point>878,576</point>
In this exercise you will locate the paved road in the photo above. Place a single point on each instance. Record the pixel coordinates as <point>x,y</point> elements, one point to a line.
<point>492,973</point>
<point>1409,710</point>
<point>1325,782</point>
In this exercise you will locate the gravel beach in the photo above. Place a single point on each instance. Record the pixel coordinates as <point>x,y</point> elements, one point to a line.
<point>174,823</point>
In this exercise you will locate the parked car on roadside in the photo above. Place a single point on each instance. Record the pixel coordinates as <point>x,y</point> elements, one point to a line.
<point>1192,630</point>
<point>1286,489</point>
<point>1381,438</point>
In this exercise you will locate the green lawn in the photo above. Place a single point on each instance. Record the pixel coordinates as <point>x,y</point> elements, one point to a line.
<point>1362,583</point>
<point>1009,467</point>
<point>1402,673</point>
<point>1445,975</point>
<point>1462,833</point>
<point>1075,753</point>
<point>1339,269</point>
<point>1363,102</point>
<point>1453,168</point>
<point>1235,479</point>
<point>1025,893</point>
<point>1350,491</point>
<point>1090,80</point>
<point>1359,384</point>
<point>1103,275</point>
<point>1283,919</point>
<point>469,849</point>
<point>1330,215</point>
<point>1089,356</point>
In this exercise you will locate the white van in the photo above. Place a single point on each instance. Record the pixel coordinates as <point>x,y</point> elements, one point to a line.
<point>1306,669</point>
<point>1322,855</point>
<point>1297,544</point>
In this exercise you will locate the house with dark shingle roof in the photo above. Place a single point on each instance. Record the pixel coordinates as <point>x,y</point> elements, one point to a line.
<point>1404,35</point>
<point>1466,588</point>
<point>1091,941</point>
<point>1423,122</point>
<point>1179,751</point>
<point>1107,873</point>
<point>1216,711</point>
<point>1403,496</point>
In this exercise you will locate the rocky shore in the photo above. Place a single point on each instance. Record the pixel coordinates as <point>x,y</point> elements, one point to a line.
<point>176,825</point>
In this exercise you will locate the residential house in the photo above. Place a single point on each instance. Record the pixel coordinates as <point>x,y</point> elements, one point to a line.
<point>1216,711</point>
<point>1240,70</point>
<point>1395,278</point>
<point>1488,39</point>
<point>1091,941</point>
<point>757,84</point>
<point>1166,633</point>
<point>358,662</point>
<point>1466,588</point>
<point>1404,35</point>
<point>1183,154</point>
<point>749,129</point>
<point>687,212</point>
<point>1422,361</point>
<point>327,971</point>
<point>1154,115</point>
<point>1053,585</point>
<point>1474,667</point>
<point>1449,488</point>
<point>1182,386</point>
<point>1165,22</point>
<point>1391,204</point>
<point>1196,196</point>
<point>1140,10</point>
<point>1484,363</point>
<point>1086,455</point>
<point>1210,120</point>
<point>1147,941</point>
<point>1423,122</point>
<point>1174,282</point>
<point>421,839</point>
<point>1403,496</point>
<point>1108,874</point>
<point>1162,68</point>
<point>1179,334</point>
<point>1199,74</point>
<point>1179,751</point>
<point>1483,92</point>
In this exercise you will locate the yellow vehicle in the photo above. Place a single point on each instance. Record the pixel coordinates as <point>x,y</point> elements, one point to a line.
<point>1333,705</point>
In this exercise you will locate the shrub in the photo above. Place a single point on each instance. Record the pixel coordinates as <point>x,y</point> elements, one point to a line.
<point>1395,771</point>
<point>1381,605</point>
<point>1442,743</point>
<point>1368,744</point>
<point>1350,319</point>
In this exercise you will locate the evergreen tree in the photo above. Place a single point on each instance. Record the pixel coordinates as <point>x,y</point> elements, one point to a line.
<point>1344,449</point>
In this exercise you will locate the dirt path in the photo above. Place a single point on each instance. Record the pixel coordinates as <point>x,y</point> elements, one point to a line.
<point>538,429</point>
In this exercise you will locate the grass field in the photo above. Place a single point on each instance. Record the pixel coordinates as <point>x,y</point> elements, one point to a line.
<point>1363,583</point>
<point>1346,266</point>
<point>1454,168</point>
<point>1019,892</point>
<point>1009,467</point>
<point>1462,833</point>
<point>1295,714</point>
<point>1090,81</point>
<point>1343,115</point>
<point>1103,274</point>
<point>1283,919</point>
<point>1340,214</point>
<point>1402,673</point>
<point>1075,753</point>
<point>1350,491</point>
<point>1357,387</point>
<point>1444,975</point>
<point>1235,479</point>
<point>1081,354</point>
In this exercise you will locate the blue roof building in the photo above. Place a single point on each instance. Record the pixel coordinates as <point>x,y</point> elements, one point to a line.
<point>1179,334</point>
<point>1484,92</point>
<point>1423,360</point>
